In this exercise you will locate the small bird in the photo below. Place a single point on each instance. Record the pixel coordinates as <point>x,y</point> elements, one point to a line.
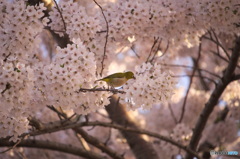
<point>118,79</point>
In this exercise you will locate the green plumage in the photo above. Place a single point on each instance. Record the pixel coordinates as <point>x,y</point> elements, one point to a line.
<point>117,79</point>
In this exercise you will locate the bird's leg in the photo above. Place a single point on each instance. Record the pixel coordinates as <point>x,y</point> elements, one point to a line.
<point>108,86</point>
<point>112,87</point>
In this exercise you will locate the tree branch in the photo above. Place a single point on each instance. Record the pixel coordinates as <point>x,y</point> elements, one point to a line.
<point>95,142</point>
<point>209,106</point>
<point>90,139</point>
<point>154,43</point>
<point>191,80</point>
<point>54,146</point>
<point>64,24</point>
<point>67,124</point>
<point>236,77</point>
<point>100,90</point>
<point>106,41</point>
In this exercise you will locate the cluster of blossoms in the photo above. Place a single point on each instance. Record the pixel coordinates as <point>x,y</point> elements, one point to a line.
<point>26,85</point>
<point>75,20</point>
<point>20,24</point>
<point>83,24</point>
<point>152,85</point>
<point>162,18</point>
<point>14,107</point>
<point>58,83</point>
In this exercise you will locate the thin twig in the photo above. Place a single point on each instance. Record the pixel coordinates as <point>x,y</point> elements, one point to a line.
<point>109,137</point>
<point>132,48</point>
<point>60,114</point>
<point>103,31</point>
<point>218,55</point>
<point>177,76</point>
<point>172,113</point>
<point>158,48</point>
<point>64,24</point>
<point>219,44</point>
<point>105,45</point>
<point>7,87</point>
<point>5,59</point>
<point>154,43</point>
<point>191,80</point>
<point>202,81</point>
<point>166,49</point>
<point>185,66</point>
<point>216,42</point>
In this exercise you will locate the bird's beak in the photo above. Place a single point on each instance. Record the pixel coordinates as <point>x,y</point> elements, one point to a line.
<point>134,77</point>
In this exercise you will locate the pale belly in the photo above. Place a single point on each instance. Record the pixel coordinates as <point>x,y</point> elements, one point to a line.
<point>117,82</point>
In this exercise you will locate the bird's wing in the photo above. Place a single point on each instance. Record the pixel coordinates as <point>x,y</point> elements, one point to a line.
<point>115,75</point>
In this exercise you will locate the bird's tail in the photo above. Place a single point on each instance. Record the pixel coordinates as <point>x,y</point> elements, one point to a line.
<point>98,80</point>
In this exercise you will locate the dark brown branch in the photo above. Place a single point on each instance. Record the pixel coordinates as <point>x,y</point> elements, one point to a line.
<point>166,49</point>
<point>154,43</point>
<point>220,56</point>
<point>105,45</point>
<point>158,48</point>
<point>218,43</point>
<point>100,90</point>
<point>172,113</point>
<point>209,106</point>
<point>60,125</point>
<point>95,142</point>
<point>64,24</point>
<point>132,48</point>
<point>146,132</point>
<point>236,77</point>
<point>49,145</point>
<point>90,139</point>
<point>202,81</point>
<point>142,131</point>
<point>108,137</point>
<point>12,147</point>
<point>191,80</point>
<point>35,123</point>
<point>5,59</point>
<point>7,87</point>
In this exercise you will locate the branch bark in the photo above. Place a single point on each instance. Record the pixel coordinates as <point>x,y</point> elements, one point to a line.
<point>95,142</point>
<point>66,124</point>
<point>209,106</point>
<point>54,146</point>
<point>195,62</point>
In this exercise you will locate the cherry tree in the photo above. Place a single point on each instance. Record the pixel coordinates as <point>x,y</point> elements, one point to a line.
<point>184,102</point>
